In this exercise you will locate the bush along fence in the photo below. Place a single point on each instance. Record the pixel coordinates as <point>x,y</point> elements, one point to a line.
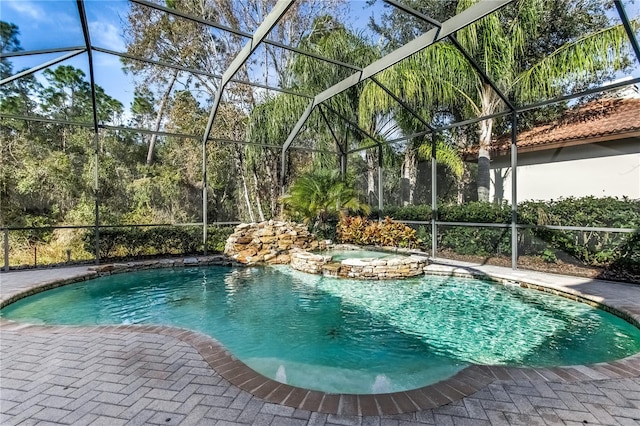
<point>583,229</point>
<point>72,244</point>
<point>141,241</point>
<point>573,229</point>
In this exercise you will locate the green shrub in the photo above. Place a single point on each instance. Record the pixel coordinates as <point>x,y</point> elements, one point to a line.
<point>423,235</point>
<point>475,240</point>
<point>589,247</point>
<point>611,212</point>
<point>549,256</point>
<point>110,240</point>
<point>138,241</point>
<point>627,255</point>
<point>33,236</point>
<point>420,212</point>
<point>217,237</point>
<point>475,212</point>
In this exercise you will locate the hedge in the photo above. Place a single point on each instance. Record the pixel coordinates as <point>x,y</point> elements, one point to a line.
<point>589,247</point>
<point>139,241</point>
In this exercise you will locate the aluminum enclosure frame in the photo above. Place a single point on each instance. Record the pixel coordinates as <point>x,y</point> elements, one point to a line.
<point>442,31</point>
<point>260,34</point>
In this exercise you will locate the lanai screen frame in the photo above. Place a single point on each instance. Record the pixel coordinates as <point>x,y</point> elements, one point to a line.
<point>441,31</point>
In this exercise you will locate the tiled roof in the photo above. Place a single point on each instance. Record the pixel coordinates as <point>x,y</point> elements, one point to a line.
<point>596,121</point>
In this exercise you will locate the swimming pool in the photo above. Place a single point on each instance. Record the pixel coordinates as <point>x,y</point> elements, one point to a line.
<point>342,335</point>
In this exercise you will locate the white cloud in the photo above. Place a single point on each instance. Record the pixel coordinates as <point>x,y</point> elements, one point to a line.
<point>107,35</point>
<point>109,62</point>
<point>27,8</point>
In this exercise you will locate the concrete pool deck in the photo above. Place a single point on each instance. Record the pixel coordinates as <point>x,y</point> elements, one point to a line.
<point>163,375</point>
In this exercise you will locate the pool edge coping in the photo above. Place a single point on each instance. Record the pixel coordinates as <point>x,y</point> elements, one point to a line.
<point>464,383</point>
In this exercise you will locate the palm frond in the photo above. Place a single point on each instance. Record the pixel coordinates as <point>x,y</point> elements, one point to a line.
<point>316,194</point>
<point>434,76</point>
<point>445,155</point>
<point>575,64</point>
<point>271,121</point>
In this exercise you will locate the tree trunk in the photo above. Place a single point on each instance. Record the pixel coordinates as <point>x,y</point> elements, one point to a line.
<point>409,175</point>
<point>484,159</point>
<point>272,170</point>
<point>156,126</point>
<point>461,184</point>
<point>246,198</point>
<point>371,177</point>
<point>258,200</point>
<point>245,189</point>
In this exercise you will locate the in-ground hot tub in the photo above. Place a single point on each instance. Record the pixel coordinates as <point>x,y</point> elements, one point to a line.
<point>346,262</point>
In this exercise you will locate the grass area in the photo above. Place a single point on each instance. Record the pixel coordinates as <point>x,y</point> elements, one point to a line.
<point>63,245</point>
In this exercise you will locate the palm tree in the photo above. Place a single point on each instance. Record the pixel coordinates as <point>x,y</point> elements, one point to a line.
<point>271,121</point>
<point>317,195</point>
<point>440,76</point>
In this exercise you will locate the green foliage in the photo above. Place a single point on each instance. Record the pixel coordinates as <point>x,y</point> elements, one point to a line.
<point>475,240</point>
<point>627,255</point>
<point>33,236</point>
<point>418,212</point>
<point>314,196</point>
<point>612,212</point>
<point>475,212</point>
<point>446,155</point>
<point>589,247</point>
<point>423,234</point>
<point>165,240</point>
<point>330,39</point>
<point>549,256</point>
<point>271,121</point>
<point>217,237</point>
<point>361,231</point>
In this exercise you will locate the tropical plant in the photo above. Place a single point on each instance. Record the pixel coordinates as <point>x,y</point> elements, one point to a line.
<point>502,44</point>
<point>317,195</point>
<point>361,231</point>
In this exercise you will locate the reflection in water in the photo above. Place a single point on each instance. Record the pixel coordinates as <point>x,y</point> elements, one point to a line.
<point>381,385</point>
<point>281,374</point>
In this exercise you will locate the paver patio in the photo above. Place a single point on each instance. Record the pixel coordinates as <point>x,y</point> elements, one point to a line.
<point>162,375</point>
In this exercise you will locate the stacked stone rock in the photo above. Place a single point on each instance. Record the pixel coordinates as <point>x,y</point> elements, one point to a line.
<point>309,262</point>
<point>383,269</point>
<point>269,242</point>
<point>371,269</point>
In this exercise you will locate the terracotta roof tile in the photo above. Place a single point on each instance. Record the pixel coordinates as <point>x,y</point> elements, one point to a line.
<point>597,119</point>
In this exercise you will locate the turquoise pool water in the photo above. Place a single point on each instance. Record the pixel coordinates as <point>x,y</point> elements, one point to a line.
<point>346,336</point>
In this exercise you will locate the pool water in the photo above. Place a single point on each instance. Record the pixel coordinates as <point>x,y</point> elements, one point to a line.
<point>346,336</point>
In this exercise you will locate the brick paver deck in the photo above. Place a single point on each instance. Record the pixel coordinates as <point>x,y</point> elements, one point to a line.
<point>162,375</point>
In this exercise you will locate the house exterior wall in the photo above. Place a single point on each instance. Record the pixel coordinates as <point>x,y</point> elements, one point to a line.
<point>600,170</point>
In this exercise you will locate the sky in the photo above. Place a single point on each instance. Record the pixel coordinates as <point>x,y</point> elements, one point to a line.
<point>50,24</point>
<point>47,24</point>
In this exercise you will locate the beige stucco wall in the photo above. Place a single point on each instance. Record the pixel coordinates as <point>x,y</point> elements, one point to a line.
<point>611,169</point>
